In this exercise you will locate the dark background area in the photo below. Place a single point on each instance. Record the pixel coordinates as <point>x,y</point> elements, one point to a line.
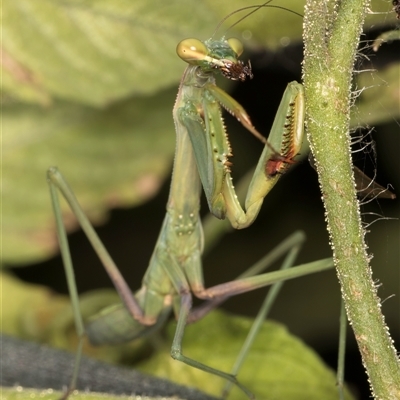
<point>308,306</point>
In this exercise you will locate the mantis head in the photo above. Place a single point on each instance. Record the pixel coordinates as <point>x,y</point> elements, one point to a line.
<point>221,55</point>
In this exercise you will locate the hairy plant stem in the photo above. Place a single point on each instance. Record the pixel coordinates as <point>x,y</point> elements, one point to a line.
<point>331,35</point>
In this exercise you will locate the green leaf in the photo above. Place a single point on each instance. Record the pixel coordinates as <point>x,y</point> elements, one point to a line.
<point>278,366</point>
<point>49,394</point>
<point>31,310</point>
<point>94,52</point>
<point>379,102</point>
<point>111,158</point>
<point>40,315</point>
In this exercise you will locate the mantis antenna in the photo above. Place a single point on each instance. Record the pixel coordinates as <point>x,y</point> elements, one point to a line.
<point>255,8</point>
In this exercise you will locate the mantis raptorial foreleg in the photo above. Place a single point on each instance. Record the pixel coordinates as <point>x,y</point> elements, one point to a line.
<point>212,149</point>
<point>201,159</point>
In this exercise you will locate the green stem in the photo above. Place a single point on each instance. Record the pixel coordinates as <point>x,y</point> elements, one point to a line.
<point>331,35</point>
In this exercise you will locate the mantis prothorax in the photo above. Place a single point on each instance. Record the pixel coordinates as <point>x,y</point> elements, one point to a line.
<point>201,160</point>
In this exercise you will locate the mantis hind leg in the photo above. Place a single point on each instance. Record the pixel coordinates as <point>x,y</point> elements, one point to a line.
<point>290,246</point>
<point>287,245</point>
<point>265,308</point>
<point>58,183</point>
<point>262,314</point>
<point>176,349</point>
<point>69,272</point>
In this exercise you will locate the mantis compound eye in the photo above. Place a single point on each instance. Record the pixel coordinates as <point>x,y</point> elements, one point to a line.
<point>191,50</point>
<point>236,45</point>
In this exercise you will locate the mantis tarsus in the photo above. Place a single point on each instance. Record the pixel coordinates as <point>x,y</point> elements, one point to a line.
<point>201,160</point>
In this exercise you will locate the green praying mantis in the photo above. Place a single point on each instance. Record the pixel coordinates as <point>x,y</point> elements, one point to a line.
<point>202,161</point>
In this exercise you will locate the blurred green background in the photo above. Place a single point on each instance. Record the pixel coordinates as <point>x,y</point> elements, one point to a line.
<point>89,86</point>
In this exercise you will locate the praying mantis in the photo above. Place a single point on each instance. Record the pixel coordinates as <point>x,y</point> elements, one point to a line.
<point>202,161</point>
